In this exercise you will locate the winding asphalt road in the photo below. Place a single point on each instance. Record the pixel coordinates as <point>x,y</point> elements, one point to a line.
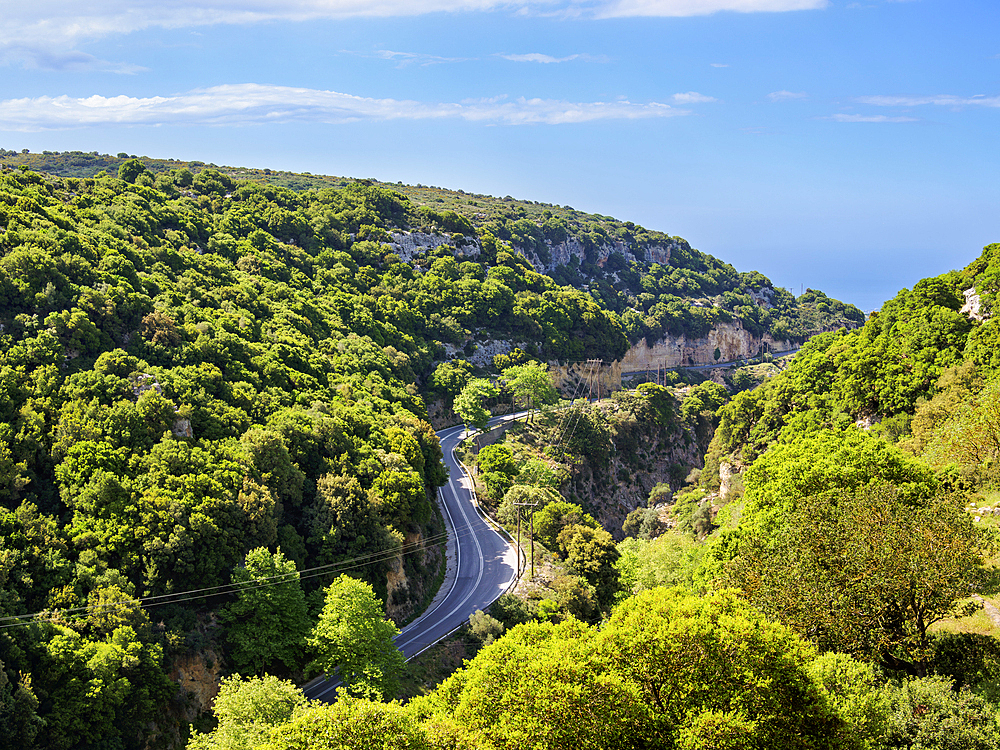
<point>482,565</point>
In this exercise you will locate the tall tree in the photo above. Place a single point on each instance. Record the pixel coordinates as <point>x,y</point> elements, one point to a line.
<point>354,640</point>
<point>531,384</point>
<point>248,711</point>
<point>469,403</point>
<point>268,622</point>
<point>866,573</point>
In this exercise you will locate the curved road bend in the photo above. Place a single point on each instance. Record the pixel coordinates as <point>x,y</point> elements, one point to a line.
<point>485,566</point>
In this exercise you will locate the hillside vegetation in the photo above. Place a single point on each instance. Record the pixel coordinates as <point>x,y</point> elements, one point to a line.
<point>211,384</point>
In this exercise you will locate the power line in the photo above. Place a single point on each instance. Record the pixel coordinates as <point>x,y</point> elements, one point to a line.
<point>177,597</point>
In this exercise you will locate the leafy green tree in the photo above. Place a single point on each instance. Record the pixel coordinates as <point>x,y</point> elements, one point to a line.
<point>554,517</point>
<point>484,627</point>
<point>970,436</point>
<point>248,712</point>
<point>928,712</point>
<point>469,403</point>
<point>497,457</point>
<point>130,170</point>
<point>531,384</point>
<point>665,671</point>
<point>575,597</point>
<point>858,693</point>
<point>36,560</point>
<point>353,724</point>
<point>668,560</point>
<point>866,573</point>
<point>398,496</point>
<point>19,720</point>
<point>520,499</point>
<point>826,461</point>
<point>591,553</point>
<point>450,377</point>
<point>98,690</point>
<point>538,685</point>
<point>644,523</point>
<point>354,640</point>
<point>715,660</point>
<point>343,526</point>
<point>268,623</point>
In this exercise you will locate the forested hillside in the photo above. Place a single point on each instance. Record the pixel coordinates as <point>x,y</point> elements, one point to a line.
<point>653,283</point>
<point>208,382</point>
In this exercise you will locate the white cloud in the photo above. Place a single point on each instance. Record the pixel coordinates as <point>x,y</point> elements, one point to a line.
<point>31,31</point>
<point>538,57</point>
<point>784,96</point>
<point>620,8</point>
<point>870,118</point>
<point>405,58</point>
<point>942,100</point>
<point>246,104</point>
<point>719,65</point>
<point>61,60</point>
<point>693,97</point>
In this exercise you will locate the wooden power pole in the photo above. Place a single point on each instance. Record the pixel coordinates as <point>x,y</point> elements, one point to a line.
<point>519,506</point>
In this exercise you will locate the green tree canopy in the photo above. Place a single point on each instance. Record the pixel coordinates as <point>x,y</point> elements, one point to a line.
<point>554,517</point>
<point>665,671</point>
<point>268,623</point>
<point>353,724</point>
<point>865,572</point>
<point>469,403</point>
<point>354,641</point>
<point>531,384</point>
<point>248,711</point>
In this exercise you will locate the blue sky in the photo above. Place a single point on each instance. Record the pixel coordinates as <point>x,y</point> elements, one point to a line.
<point>847,146</point>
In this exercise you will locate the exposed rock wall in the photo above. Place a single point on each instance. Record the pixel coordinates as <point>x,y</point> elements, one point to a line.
<point>585,380</point>
<point>731,339</point>
<point>408,245</point>
<point>198,676</point>
<point>561,253</point>
<point>409,580</point>
<point>651,456</point>
<point>973,304</point>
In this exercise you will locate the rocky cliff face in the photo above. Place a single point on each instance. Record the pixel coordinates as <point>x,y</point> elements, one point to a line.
<point>731,339</point>
<point>648,456</point>
<point>563,252</point>
<point>411,576</point>
<point>407,245</point>
<point>973,305</point>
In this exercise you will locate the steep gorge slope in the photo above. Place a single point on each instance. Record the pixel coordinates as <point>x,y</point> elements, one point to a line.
<point>193,367</point>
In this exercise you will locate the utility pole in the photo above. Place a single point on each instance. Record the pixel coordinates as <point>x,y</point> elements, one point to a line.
<point>519,543</point>
<point>595,363</point>
<point>590,379</point>
<point>519,506</point>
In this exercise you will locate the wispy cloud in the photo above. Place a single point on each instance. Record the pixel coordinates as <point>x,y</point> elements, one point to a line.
<point>620,8</point>
<point>247,104</point>
<point>693,97</point>
<point>942,100</point>
<point>869,118</point>
<point>31,31</point>
<point>720,65</point>
<point>538,57</point>
<point>784,96</point>
<point>402,59</point>
<point>42,58</point>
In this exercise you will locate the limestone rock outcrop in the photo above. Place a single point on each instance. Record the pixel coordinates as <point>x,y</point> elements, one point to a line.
<point>973,304</point>
<point>731,339</point>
